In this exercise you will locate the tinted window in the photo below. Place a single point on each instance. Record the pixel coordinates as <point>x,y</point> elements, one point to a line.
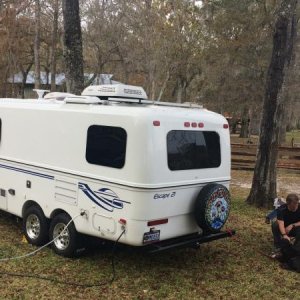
<point>106,146</point>
<point>193,150</point>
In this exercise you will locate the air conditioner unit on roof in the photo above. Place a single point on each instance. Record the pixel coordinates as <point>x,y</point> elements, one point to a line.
<point>115,91</point>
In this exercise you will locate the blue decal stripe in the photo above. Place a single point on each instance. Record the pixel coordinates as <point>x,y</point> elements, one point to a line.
<point>119,200</point>
<point>96,199</point>
<point>26,172</point>
<point>114,203</point>
<point>107,204</point>
<point>87,194</point>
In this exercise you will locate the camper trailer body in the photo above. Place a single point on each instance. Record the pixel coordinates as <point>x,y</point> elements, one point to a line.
<point>122,165</point>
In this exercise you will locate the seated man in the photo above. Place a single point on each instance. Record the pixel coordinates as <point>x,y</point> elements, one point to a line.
<point>288,222</point>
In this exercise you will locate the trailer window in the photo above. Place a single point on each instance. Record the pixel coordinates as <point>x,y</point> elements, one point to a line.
<point>193,150</point>
<point>106,146</point>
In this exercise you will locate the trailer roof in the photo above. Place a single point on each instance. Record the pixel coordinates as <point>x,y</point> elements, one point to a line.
<point>144,108</point>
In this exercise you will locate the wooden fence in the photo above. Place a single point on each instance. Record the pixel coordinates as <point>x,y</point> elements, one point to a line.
<point>244,157</point>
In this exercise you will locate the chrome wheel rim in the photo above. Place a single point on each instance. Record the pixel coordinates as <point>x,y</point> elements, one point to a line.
<point>33,226</point>
<point>62,236</point>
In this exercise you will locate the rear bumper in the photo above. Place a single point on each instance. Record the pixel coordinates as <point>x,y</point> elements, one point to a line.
<point>193,240</point>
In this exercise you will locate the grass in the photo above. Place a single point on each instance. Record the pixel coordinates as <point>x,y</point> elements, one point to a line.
<point>235,138</point>
<point>293,134</point>
<point>254,138</point>
<point>235,268</point>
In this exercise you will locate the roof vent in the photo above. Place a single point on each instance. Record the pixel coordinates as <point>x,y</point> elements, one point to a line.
<point>106,89</point>
<point>115,91</point>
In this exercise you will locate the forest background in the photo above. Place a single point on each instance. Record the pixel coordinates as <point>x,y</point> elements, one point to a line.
<point>215,53</point>
<point>212,52</point>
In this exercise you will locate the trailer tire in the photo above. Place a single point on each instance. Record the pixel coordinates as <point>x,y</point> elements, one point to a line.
<point>212,208</point>
<point>67,242</point>
<point>35,226</point>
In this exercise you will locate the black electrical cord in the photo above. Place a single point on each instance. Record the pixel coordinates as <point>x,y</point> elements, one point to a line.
<point>54,280</point>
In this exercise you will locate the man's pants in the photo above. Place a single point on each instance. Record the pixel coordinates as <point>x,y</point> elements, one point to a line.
<point>279,242</point>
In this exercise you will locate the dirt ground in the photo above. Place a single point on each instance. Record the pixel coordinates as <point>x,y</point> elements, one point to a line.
<point>287,182</point>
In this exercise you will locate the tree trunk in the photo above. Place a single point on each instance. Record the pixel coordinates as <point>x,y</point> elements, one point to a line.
<point>53,45</point>
<point>282,114</point>
<point>285,107</point>
<point>163,88</point>
<point>181,90</point>
<point>73,46</point>
<point>245,123</point>
<point>234,125</point>
<point>153,89</point>
<point>24,78</point>
<point>263,190</point>
<point>37,42</point>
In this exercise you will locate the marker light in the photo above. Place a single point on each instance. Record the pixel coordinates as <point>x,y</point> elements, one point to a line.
<point>122,222</point>
<point>157,222</point>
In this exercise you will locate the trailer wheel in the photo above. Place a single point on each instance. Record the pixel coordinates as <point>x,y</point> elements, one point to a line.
<point>35,226</point>
<point>66,239</point>
<point>212,208</point>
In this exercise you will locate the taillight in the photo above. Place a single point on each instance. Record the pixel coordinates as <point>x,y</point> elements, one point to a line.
<point>156,123</point>
<point>226,126</point>
<point>157,222</point>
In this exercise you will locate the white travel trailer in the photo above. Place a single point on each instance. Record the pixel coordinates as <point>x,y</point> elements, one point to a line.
<point>112,162</point>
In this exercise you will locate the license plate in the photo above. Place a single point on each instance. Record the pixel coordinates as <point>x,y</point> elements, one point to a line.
<point>152,236</point>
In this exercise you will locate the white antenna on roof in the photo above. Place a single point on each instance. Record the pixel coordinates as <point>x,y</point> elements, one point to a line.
<point>40,92</point>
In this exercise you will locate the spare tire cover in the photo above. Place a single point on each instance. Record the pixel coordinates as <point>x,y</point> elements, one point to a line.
<point>212,207</point>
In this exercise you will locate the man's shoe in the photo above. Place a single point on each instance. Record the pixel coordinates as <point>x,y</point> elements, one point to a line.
<point>276,254</point>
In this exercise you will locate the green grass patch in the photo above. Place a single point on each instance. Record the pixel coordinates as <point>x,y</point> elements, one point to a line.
<point>234,268</point>
<point>294,134</point>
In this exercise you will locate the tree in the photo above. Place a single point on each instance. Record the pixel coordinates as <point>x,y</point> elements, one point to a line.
<point>73,46</point>
<point>264,189</point>
<point>104,38</point>
<point>37,43</point>
<point>54,44</point>
<point>215,52</point>
<point>16,44</point>
<point>238,39</point>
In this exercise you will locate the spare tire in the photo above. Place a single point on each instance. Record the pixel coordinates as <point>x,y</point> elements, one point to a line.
<point>212,207</point>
